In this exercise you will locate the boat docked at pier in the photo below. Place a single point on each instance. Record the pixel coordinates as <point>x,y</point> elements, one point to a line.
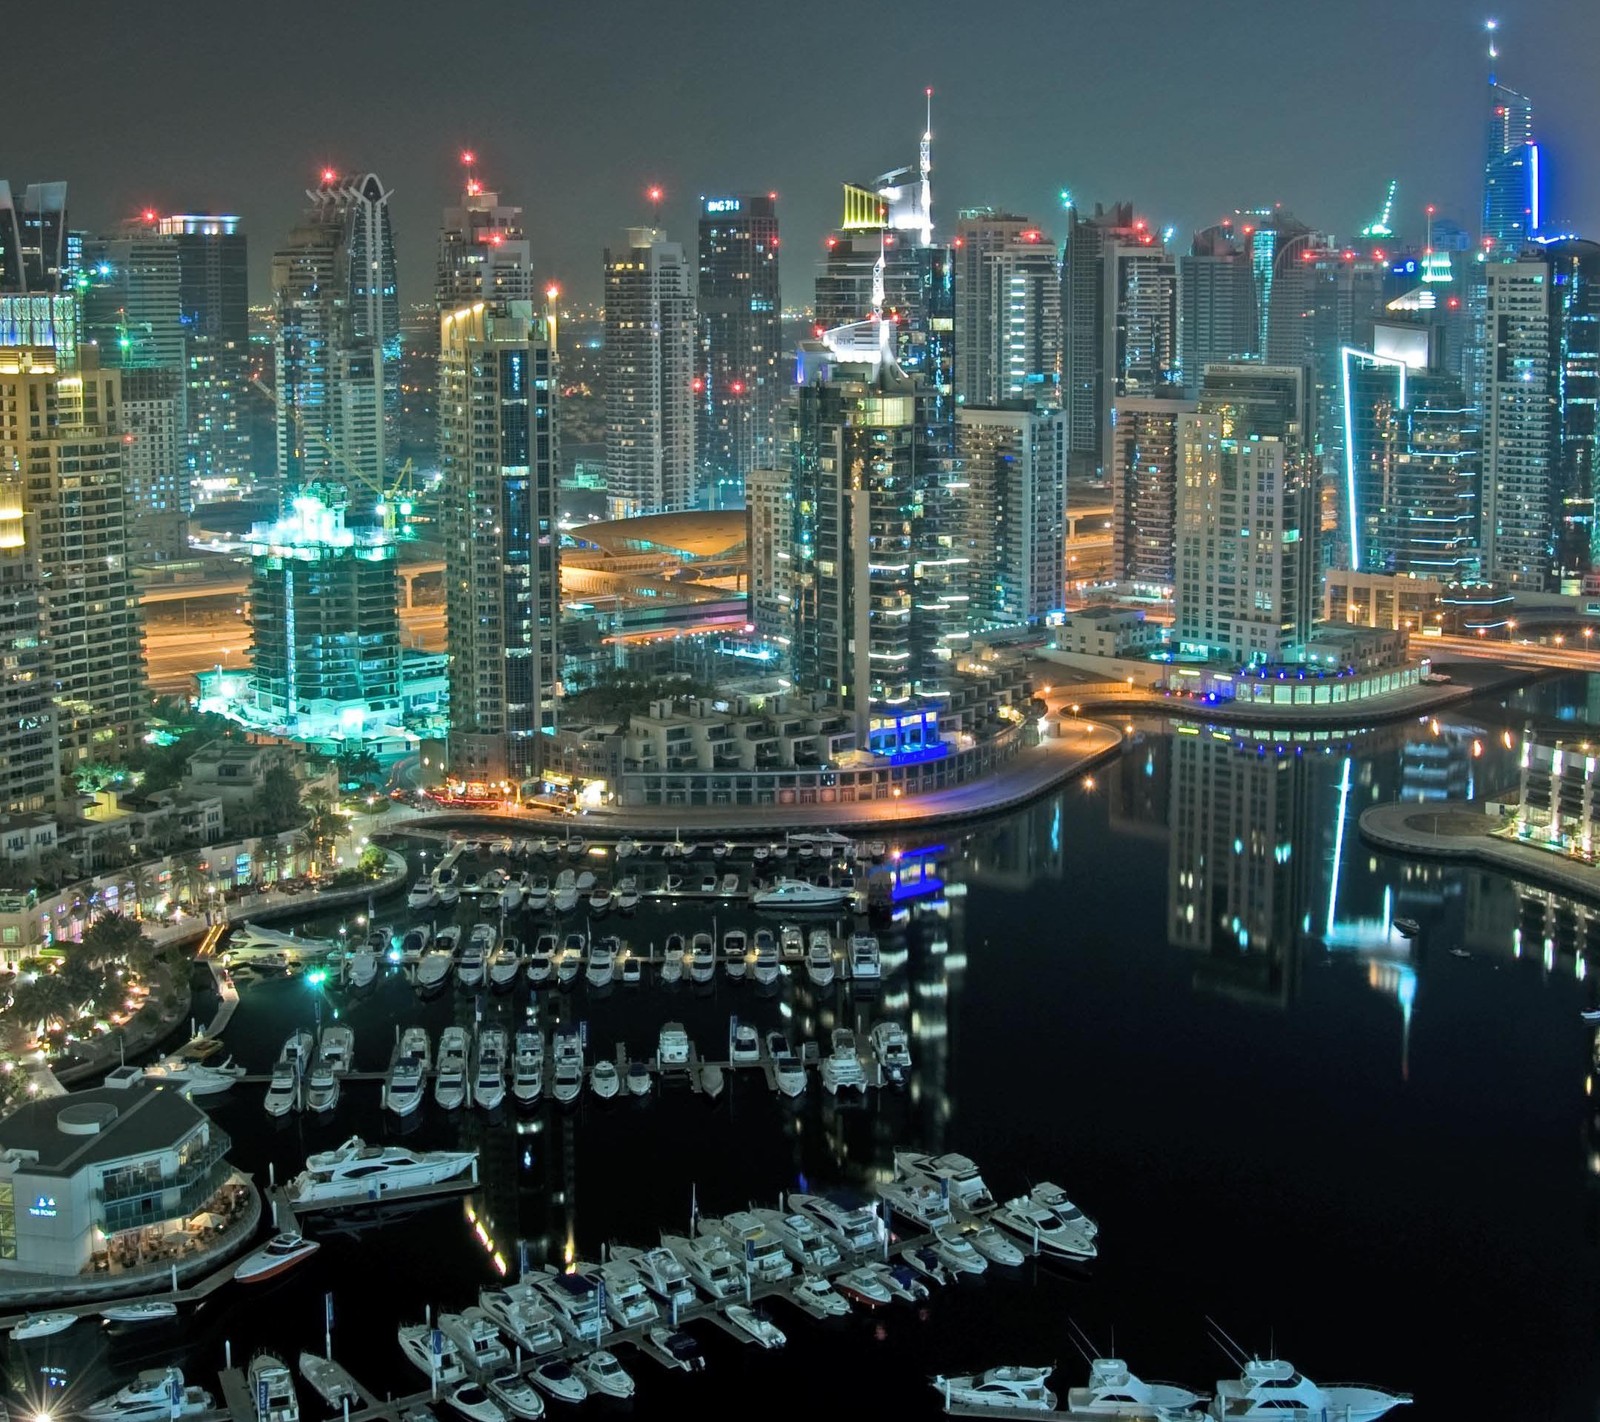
<point>271,1387</point>
<point>283,1091</point>
<point>489,1072</point>
<point>965,1185</point>
<point>853,1225</point>
<point>1113,1391</point>
<point>408,1068</point>
<point>194,1078</point>
<point>477,1340</point>
<point>819,958</point>
<point>1006,1389</point>
<point>918,1199</point>
<point>1270,1388</point>
<point>602,964</point>
<point>430,1350</point>
<point>735,953</point>
<point>524,1315</point>
<point>1049,1222</point>
<point>527,1067</point>
<point>542,961</point>
<point>505,964</point>
<point>715,1268</point>
<point>765,965</point>
<point>280,1254</point>
<point>357,1171</point>
<point>748,1236</point>
<point>841,1068</point>
<point>799,895</point>
<point>866,960</point>
<point>576,1303</point>
<point>663,1274</point>
<point>450,1082</point>
<point>568,1076</point>
<point>627,1298</point>
<point>329,1380</point>
<point>702,958</point>
<point>892,1049</point>
<point>155,1395</point>
<point>802,1239</point>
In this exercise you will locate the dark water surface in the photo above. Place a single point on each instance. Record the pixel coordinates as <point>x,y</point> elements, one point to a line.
<point>1176,993</point>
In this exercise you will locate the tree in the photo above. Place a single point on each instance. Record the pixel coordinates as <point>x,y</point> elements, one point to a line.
<point>277,803</point>
<point>56,867</point>
<point>42,1003</point>
<point>323,826</point>
<point>111,938</point>
<point>359,765</point>
<point>84,981</point>
<point>188,878</point>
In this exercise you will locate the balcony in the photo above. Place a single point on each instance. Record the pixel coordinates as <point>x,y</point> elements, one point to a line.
<point>123,1186</point>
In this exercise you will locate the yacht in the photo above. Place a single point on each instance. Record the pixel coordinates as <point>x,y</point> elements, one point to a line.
<point>672,959</point>
<point>1055,1198</point>
<point>663,1274</point>
<point>708,885</point>
<point>863,1286</point>
<point>744,1044</point>
<point>638,1079</point>
<point>549,848</point>
<point>602,1373</point>
<point>585,882</point>
<point>524,1316</point>
<point>516,1395</point>
<point>802,1240</point>
<point>788,1071</point>
<point>402,1089</point>
<point>194,1078</point>
<point>604,1079</point>
<point>362,966</point>
<point>476,1338</point>
<point>489,1076</point>
<point>558,1379</point>
<point>711,1079</point>
<point>140,1311</point>
<point>766,967</point>
<point>892,1048</point>
<point>322,1087</point>
<point>1010,1389</point>
<point>542,961</point>
<point>756,1325</point>
<point>818,1297</point>
<point>570,963</point>
<point>569,1067</point>
<point>297,1050</point>
<point>856,1228</point>
<point>919,1200</point>
<point>627,1299</point>
<point>527,1067</point>
<point>283,1094</point>
<point>994,1246</point>
<point>564,897</point>
<point>474,1402</point>
<point>536,893</point>
<point>41,1325</point>
<point>1112,1391</point>
<point>955,1251</point>
<point>735,953</point>
<point>576,1303</point>
<point>505,965</point>
<point>280,1254</point>
<point>926,1261</point>
<point>271,1386</point>
<point>599,900</point>
<point>729,887</point>
<point>432,1352</point>
<point>510,898</point>
<point>575,845</point>
<point>680,1347</point>
<point>626,848</point>
<point>1407,927</point>
<point>332,1383</point>
<point>447,884</point>
<point>866,963</point>
<point>714,1267</point>
<point>748,1236</point>
<point>450,1085</point>
<point>602,962</point>
<point>475,956</point>
<point>798,894</point>
<point>672,1046</point>
<point>422,895</point>
<point>356,1171</point>
<point>1041,1226</point>
<point>967,1191</point>
<point>819,958</point>
<point>155,1395</point>
<point>791,943</point>
<point>627,896</point>
<point>337,1047</point>
<point>1272,1388</point>
<point>702,958</point>
<point>433,967</point>
<point>900,1280</point>
<point>841,1068</point>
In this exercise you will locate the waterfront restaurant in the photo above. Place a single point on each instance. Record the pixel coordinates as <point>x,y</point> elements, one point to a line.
<point>123,1177</point>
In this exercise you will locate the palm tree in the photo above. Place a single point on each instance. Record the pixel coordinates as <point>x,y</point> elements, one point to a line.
<point>44,1002</point>
<point>188,877</point>
<point>302,849</point>
<point>323,826</point>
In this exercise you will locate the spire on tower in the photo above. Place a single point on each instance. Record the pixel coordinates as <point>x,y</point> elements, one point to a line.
<point>926,163</point>
<point>1491,27</point>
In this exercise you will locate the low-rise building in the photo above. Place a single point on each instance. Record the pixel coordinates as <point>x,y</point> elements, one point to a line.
<point>1342,646</point>
<point>1104,631</point>
<point>97,1180</point>
<point>1399,601</point>
<point>1559,804</point>
<point>235,771</point>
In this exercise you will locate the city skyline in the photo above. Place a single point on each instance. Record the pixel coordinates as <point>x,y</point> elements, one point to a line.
<point>1180,158</point>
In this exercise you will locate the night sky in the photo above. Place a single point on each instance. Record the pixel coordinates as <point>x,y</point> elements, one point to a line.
<point>1188,109</point>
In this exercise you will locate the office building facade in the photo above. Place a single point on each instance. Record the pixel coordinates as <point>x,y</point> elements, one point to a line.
<point>1146,462</point>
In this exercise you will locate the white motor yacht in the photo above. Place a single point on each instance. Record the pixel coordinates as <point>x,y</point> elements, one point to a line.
<point>516,1395</point>
<point>900,1280</point>
<point>422,895</point>
<point>569,961</point>
<point>140,1311</point>
<point>602,1373</point>
<point>450,1084</point>
<point>322,1088</point>
<point>955,1250</point>
<point>627,847</point>
<point>489,1075</point>
<point>728,887</point>
<point>536,893</point>
<point>663,1274</point>
<point>433,967</point>
<point>558,1379</point>
<point>194,1078</point>
<point>866,962</point>
<point>994,1245</point>
<point>967,1191</point>
<point>331,1382</point>
<point>602,962</point>
<point>638,1079</point>
<point>672,960</point>
<point>362,966</point>
<point>477,1340</point>
<point>298,1050</point>
<point>702,958</point>
<point>1113,1391</point>
<point>576,1303</point>
<point>155,1395</point>
<point>816,1296</point>
<point>627,896</point>
<point>568,1075</point>
<point>714,1267</point>
<point>510,897</point>
<point>356,1171</point>
<point>841,1068</point>
<point>564,897</point>
<point>1041,1227</point>
<point>604,1079</point>
<point>756,1326</point>
<point>735,953</point>
<point>791,943</point>
<point>542,961</point>
<point>819,958</point>
<point>672,1046</point>
<point>712,1079</point>
<point>41,1325</point>
<point>474,960</point>
<point>271,1386</point>
<point>584,883</point>
<point>892,1048</point>
<point>403,1087</point>
<point>744,1043</point>
<point>599,900</point>
<point>527,1067</point>
<point>415,939</point>
<point>431,1351</point>
<point>283,1093</point>
<point>505,964</point>
<point>447,884</point>
<point>1009,1389</point>
<point>855,1227</point>
<point>919,1199</point>
<point>801,894</point>
<point>1272,1388</point>
<point>523,1314</point>
<point>628,1300</point>
<point>678,1346</point>
<point>788,1071</point>
<point>802,1240</point>
<point>280,1254</point>
<point>863,1286</point>
<point>750,1237</point>
<point>1069,1214</point>
<point>924,1259</point>
<point>337,1047</point>
<point>766,966</point>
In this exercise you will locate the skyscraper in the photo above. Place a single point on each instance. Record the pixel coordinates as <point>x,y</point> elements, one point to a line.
<point>1511,179</point>
<point>1246,565</point>
<point>499,457</point>
<point>61,432</point>
<point>1218,316</point>
<point>1008,310</point>
<point>742,373</point>
<point>33,238</point>
<point>1146,462</point>
<point>1119,308</point>
<point>484,253</point>
<point>1014,463</point>
<point>29,756</point>
<point>769,523</point>
<point>649,364</point>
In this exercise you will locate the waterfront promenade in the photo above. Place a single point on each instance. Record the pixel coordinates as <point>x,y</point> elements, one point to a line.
<point>1466,834</point>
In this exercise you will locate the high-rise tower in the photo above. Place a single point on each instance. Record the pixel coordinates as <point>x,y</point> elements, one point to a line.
<point>483,251</point>
<point>740,377</point>
<point>1511,179</point>
<point>33,238</point>
<point>1008,310</point>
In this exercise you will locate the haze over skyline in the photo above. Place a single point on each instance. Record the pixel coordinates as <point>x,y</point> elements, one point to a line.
<point>1187,111</point>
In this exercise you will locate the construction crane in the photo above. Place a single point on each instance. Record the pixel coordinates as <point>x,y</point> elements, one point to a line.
<point>394,501</point>
<point>1379,226</point>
